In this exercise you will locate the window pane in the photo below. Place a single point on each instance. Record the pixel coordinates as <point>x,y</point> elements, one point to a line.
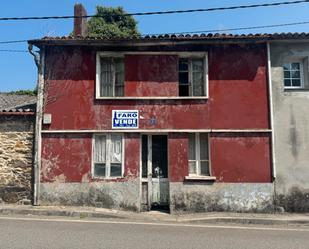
<point>204,146</point>
<point>183,90</point>
<point>198,65</point>
<point>287,74</point>
<point>183,78</point>
<point>287,66</point>
<point>295,74</point>
<point>192,146</point>
<point>106,64</point>
<point>198,84</point>
<point>295,66</point>
<point>192,167</point>
<point>296,83</point>
<point>183,65</point>
<point>116,169</point>
<point>205,168</point>
<point>106,78</point>
<point>119,91</point>
<point>99,169</point>
<point>287,82</point>
<point>119,77</point>
<point>119,80</point>
<point>116,149</point>
<point>119,65</point>
<point>100,149</point>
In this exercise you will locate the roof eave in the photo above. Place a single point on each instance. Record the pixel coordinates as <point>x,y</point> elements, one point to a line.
<point>142,42</point>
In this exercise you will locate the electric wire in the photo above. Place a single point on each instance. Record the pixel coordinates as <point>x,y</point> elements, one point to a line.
<point>230,29</point>
<point>197,32</point>
<point>14,50</point>
<point>159,12</point>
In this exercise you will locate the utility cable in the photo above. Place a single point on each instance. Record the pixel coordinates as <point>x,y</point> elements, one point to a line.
<point>230,29</point>
<point>157,12</point>
<point>14,51</point>
<point>197,32</point>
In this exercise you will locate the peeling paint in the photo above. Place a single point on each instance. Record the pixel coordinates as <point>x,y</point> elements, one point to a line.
<point>237,100</point>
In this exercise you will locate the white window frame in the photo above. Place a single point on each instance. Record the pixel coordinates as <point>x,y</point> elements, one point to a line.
<point>197,156</point>
<point>197,54</point>
<point>191,56</point>
<point>98,74</point>
<point>108,156</point>
<point>301,71</point>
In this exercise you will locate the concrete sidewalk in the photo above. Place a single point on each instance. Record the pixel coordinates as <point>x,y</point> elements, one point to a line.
<point>211,217</point>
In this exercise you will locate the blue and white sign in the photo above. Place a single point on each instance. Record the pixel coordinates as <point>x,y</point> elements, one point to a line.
<point>125,119</point>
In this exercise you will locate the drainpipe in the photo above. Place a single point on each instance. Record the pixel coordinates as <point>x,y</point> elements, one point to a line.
<point>39,59</point>
<point>271,110</point>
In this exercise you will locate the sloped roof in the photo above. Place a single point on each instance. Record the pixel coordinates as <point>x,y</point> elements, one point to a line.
<point>17,103</point>
<point>80,40</point>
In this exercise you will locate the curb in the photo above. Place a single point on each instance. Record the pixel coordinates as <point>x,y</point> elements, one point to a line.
<point>65,213</point>
<point>248,221</point>
<point>143,216</point>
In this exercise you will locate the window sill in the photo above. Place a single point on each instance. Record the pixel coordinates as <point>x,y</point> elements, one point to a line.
<point>107,178</point>
<point>301,89</point>
<point>153,98</point>
<point>200,178</point>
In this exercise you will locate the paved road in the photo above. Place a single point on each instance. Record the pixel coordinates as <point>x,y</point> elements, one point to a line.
<point>66,233</point>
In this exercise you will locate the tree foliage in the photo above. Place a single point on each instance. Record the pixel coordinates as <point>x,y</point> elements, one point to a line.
<point>112,23</point>
<point>24,92</point>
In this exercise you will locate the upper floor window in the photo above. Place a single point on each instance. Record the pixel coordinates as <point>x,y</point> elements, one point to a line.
<point>192,74</point>
<point>111,83</point>
<point>293,75</point>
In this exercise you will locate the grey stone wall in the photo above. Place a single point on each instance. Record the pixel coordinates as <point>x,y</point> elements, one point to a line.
<point>16,155</point>
<point>291,129</point>
<point>207,197</point>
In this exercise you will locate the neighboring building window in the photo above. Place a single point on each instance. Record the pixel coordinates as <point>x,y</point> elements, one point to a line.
<point>293,75</point>
<point>192,76</point>
<point>108,155</point>
<point>111,77</point>
<point>199,154</point>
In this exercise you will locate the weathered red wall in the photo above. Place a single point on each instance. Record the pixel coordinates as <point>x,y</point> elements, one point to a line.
<point>67,158</point>
<point>178,156</point>
<point>151,75</point>
<point>237,92</point>
<point>234,157</point>
<point>240,157</point>
<point>237,100</point>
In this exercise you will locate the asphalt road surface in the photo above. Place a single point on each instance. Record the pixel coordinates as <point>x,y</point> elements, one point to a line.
<point>28,233</point>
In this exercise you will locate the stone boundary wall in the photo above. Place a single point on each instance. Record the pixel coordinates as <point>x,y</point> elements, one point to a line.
<point>16,157</point>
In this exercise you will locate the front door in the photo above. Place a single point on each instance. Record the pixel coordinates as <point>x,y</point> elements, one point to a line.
<point>155,170</point>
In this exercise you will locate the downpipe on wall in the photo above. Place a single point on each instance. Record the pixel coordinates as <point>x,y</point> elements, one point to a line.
<point>39,59</point>
<point>271,116</point>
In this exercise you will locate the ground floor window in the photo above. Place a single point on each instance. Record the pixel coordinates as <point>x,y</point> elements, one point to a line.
<point>107,155</point>
<point>199,154</point>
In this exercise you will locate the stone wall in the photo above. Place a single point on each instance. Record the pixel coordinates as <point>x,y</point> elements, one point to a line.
<point>16,155</point>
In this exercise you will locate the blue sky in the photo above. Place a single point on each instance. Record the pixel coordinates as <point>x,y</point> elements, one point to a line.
<point>19,72</point>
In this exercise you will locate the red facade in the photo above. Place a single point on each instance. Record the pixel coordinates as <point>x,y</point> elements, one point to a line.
<point>238,100</point>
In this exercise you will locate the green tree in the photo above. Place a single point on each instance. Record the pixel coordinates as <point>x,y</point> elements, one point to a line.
<point>112,23</point>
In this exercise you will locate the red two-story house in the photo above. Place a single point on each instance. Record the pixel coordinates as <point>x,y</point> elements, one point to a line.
<point>176,121</point>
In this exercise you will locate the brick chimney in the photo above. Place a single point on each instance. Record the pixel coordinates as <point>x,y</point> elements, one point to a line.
<point>80,24</point>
